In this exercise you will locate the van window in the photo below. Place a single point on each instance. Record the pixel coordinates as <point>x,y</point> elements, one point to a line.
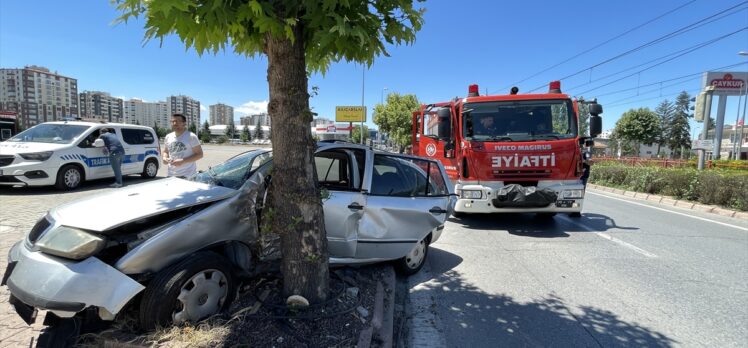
<point>50,133</point>
<point>137,136</point>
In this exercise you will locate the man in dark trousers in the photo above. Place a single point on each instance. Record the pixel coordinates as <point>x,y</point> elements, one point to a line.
<point>113,146</point>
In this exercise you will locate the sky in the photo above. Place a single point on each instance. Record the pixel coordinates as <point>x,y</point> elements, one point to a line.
<point>495,44</point>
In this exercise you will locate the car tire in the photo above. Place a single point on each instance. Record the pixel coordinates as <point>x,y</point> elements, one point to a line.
<point>575,214</point>
<point>413,262</point>
<point>193,289</point>
<point>150,169</point>
<point>458,214</point>
<point>69,177</point>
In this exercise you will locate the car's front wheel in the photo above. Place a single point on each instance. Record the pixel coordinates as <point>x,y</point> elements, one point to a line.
<point>191,290</point>
<point>69,177</point>
<point>414,260</point>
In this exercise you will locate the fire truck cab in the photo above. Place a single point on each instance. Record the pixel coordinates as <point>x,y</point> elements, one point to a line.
<point>510,153</point>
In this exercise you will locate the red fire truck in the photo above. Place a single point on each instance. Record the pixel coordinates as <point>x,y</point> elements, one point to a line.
<point>510,153</point>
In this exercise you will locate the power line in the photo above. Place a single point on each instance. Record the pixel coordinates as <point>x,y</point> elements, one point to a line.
<point>601,44</point>
<point>660,39</point>
<point>650,91</point>
<point>672,79</point>
<point>641,100</point>
<point>692,49</point>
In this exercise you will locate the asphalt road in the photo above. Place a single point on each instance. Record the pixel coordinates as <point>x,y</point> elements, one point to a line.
<point>628,273</point>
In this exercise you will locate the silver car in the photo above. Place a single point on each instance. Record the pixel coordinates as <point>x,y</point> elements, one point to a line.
<point>176,248</point>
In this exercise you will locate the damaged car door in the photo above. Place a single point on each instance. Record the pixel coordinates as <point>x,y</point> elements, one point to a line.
<point>407,204</point>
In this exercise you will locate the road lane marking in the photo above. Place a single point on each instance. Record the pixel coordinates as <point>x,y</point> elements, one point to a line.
<point>670,211</point>
<point>613,239</point>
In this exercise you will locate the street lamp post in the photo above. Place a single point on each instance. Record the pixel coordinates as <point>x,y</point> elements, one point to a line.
<point>381,101</point>
<point>739,139</point>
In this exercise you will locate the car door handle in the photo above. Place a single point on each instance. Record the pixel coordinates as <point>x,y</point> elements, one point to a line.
<point>437,211</point>
<point>355,206</point>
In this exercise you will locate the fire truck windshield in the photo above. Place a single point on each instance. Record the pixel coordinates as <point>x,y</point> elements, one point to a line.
<point>526,120</point>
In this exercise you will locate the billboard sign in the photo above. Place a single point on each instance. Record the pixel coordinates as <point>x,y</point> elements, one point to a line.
<point>726,83</point>
<point>702,144</point>
<point>350,114</point>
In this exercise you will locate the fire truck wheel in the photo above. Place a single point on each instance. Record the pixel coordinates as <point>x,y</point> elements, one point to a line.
<point>575,215</point>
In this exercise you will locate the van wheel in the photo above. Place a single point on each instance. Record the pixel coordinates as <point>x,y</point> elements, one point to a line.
<point>412,263</point>
<point>69,177</point>
<point>193,289</point>
<point>575,215</point>
<point>150,169</point>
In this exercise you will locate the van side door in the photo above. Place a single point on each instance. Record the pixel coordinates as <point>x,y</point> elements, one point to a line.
<point>139,144</point>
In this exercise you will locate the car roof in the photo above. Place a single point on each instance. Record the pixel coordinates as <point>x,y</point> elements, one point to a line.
<point>93,124</point>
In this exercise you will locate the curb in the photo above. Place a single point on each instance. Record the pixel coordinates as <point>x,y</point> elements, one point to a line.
<point>671,201</point>
<point>380,332</point>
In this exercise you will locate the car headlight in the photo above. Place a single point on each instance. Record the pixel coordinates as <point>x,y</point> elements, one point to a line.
<point>572,194</point>
<point>37,156</point>
<point>70,243</point>
<point>471,194</point>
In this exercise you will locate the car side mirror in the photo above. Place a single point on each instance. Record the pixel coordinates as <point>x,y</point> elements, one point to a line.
<point>98,143</point>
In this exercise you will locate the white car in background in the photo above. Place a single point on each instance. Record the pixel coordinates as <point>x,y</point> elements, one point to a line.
<point>63,154</point>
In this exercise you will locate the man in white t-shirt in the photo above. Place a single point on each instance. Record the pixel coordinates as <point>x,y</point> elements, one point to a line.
<point>181,149</point>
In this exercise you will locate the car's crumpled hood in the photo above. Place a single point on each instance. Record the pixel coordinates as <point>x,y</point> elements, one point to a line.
<point>111,209</point>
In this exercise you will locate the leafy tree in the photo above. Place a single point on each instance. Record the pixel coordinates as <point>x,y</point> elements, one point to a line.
<point>205,132</point>
<point>245,134</point>
<point>192,128</point>
<point>298,37</point>
<point>679,134</point>
<point>639,126</point>
<point>231,129</point>
<point>259,133</point>
<point>394,117</point>
<point>665,111</point>
<point>356,134</point>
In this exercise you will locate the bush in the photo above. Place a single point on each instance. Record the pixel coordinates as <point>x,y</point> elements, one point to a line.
<point>727,188</point>
<point>222,139</point>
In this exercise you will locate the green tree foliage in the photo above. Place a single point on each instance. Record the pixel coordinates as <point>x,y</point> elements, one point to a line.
<point>259,133</point>
<point>356,134</point>
<point>231,129</point>
<point>298,37</point>
<point>394,117</point>
<point>679,133</point>
<point>638,126</point>
<point>665,111</point>
<point>245,134</point>
<point>192,128</point>
<point>205,132</point>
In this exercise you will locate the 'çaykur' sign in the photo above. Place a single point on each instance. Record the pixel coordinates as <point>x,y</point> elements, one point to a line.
<point>726,83</point>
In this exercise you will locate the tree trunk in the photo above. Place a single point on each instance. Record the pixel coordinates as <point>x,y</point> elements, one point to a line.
<point>297,214</point>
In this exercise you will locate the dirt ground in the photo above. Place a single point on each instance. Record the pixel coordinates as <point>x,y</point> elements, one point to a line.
<point>260,318</point>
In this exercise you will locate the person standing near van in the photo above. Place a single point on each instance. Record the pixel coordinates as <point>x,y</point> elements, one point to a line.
<point>181,149</point>
<point>114,147</point>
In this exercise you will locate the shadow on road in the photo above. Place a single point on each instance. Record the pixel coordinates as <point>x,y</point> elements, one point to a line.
<point>471,317</point>
<point>532,225</point>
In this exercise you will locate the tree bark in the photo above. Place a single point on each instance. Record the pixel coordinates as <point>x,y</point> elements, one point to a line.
<point>297,214</point>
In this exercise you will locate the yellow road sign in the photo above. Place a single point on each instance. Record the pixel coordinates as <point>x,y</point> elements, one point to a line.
<point>350,114</point>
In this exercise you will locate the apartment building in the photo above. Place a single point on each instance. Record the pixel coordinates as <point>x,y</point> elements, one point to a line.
<point>251,120</point>
<point>221,114</point>
<point>38,95</point>
<point>144,113</point>
<point>186,106</point>
<point>100,106</point>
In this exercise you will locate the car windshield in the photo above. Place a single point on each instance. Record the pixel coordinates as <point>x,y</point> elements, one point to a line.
<point>50,133</point>
<point>235,171</point>
<point>528,120</point>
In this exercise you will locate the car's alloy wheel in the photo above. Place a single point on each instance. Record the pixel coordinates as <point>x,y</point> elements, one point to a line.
<point>414,260</point>
<point>151,169</point>
<point>69,177</point>
<point>198,286</point>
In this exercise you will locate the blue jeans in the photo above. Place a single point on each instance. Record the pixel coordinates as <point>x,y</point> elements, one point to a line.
<point>115,159</point>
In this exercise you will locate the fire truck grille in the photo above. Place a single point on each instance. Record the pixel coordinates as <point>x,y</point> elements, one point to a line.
<point>521,174</point>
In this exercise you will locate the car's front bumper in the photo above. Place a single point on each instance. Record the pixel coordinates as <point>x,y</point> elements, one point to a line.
<point>65,287</point>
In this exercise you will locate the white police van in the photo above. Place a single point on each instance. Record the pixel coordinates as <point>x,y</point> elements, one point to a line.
<point>63,154</point>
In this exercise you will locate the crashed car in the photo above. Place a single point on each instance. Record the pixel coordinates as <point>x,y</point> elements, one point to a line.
<point>174,249</point>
